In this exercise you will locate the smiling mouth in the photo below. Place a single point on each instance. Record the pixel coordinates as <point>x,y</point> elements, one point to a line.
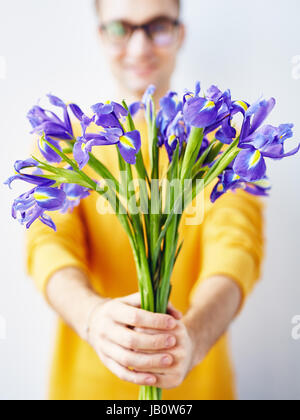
<point>142,71</point>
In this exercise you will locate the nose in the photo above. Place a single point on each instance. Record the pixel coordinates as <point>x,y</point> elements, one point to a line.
<point>139,44</point>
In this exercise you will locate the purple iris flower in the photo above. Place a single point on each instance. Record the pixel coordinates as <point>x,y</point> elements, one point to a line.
<point>81,152</point>
<point>74,194</point>
<point>226,133</point>
<point>108,115</point>
<point>267,142</point>
<point>224,116</point>
<point>148,94</point>
<point>170,122</point>
<point>177,133</point>
<point>85,121</point>
<point>129,144</point>
<point>229,180</point>
<point>189,94</point>
<point>167,113</point>
<point>135,107</point>
<point>83,147</point>
<point>44,121</point>
<point>49,154</point>
<point>31,179</point>
<point>203,112</point>
<point>255,116</point>
<point>147,99</point>
<point>32,205</point>
<point>208,112</point>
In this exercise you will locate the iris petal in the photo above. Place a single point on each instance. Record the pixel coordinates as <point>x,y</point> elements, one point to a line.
<point>49,198</point>
<point>22,164</point>
<point>250,165</point>
<point>49,154</point>
<point>129,146</point>
<point>81,152</point>
<point>199,112</point>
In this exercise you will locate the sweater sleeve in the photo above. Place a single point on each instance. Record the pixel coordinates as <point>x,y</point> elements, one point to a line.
<point>48,252</point>
<point>232,240</point>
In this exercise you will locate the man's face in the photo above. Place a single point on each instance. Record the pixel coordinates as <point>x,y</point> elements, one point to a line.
<point>139,61</point>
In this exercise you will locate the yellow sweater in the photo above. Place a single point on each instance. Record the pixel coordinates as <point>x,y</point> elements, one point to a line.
<point>230,241</point>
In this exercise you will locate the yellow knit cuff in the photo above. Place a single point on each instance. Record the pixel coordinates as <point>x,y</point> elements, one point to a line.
<point>234,263</point>
<point>46,259</point>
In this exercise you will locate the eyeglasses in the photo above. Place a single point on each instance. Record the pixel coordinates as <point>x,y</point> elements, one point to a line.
<point>162,31</point>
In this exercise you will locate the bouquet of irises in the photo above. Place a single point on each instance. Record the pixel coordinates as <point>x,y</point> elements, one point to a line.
<point>203,146</point>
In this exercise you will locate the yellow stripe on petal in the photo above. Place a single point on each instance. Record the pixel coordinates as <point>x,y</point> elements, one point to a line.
<point>83,147</point>
<point>255,159</point>
<point>189,95</point>
<point>171,139</point>
<point>236,177</point>
<point>40,197</point>
<point>126,141</point>
<point>264,183</point>
<point>220,188</point>
<point>209,105</point>
<point>43,144</point>
<point>242,105</point>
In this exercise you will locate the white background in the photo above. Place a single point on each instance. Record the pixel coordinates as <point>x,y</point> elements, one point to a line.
<point>51,46</point>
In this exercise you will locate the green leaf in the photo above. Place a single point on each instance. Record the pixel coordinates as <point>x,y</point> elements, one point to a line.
<point>202,158</point>
<point>192,151</point>
<point>61,154</point>
<point>214,153</point>
<point>223,162</point>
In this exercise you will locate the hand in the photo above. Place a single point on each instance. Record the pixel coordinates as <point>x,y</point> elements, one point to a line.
<point>183,355</point>
<point>131,355</point>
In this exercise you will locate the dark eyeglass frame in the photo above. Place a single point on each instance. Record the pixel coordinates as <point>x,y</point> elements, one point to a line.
<point>145,27</point>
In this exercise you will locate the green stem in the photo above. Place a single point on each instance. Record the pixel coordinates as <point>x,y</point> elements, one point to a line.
<point>150,393</point>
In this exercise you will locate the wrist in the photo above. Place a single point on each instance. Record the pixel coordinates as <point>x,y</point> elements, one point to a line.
<point>94,306</point>
<point>199,338</point>
<point>90,304</point>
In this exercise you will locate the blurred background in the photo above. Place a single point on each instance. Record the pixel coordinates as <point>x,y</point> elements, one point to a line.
<point>252,48</point>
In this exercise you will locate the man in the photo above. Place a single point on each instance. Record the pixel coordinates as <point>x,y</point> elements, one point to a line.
<point>106,345</point>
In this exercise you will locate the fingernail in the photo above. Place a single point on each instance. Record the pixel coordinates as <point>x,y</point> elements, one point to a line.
<point>150,381</point>
<point>171,323</point>
<point>166,361</point>
<point>171,341</point>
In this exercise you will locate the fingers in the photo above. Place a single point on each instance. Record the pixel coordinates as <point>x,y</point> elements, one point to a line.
<point>129,315</point>
<point>174,312</point>
<point>126,374</point>
<point>135,340</point>
<point>135,300</point>
<point>169,380</point>
<point>136,360</point>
